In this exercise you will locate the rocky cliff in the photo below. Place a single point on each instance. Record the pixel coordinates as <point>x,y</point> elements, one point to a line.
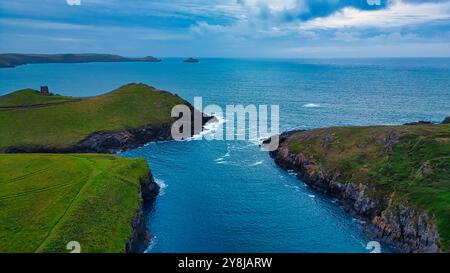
<point>141,237</point>
<point>345,172</point>
<point>110,142</point>
<point>125,118</point>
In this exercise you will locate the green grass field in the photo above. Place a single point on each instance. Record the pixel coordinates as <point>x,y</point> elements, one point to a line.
<point>29,98</point>
<point>417,170</point>
<point>65,124</point>
<point>47,200</point>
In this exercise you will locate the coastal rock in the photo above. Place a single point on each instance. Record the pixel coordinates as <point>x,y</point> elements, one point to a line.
<point>191,60</point>
<point>141,237</point>
<point>111,142</point>
<point>115,141</point>
<point>406,228</point>
<point>128,139</point>
<point>398,224</point>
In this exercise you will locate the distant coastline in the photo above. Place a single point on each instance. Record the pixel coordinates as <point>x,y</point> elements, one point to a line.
<point>11,60</point>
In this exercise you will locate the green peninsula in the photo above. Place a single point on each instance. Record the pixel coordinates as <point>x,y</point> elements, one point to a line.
<point>132,115</point>
<point>397,177</point>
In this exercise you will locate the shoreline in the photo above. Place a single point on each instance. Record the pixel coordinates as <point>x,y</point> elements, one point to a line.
<point>141,236</point>
<point>398,224</point>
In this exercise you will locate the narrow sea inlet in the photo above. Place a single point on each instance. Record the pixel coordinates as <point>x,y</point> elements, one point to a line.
<point>229,196</point>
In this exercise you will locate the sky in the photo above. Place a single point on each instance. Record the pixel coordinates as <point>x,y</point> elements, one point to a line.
<point>228,28</point>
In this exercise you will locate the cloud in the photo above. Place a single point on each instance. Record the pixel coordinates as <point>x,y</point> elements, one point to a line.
<point>303,10</point>
<point>398,14</point>
<point>41,24</point>
<point>226,27</point>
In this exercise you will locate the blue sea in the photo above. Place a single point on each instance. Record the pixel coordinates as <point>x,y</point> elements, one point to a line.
<point>229,196</point>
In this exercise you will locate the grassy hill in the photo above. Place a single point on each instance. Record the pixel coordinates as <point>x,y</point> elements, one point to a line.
<point>405,164</point>
<point>48,200</point>
<point>61,125</point>
<point>29,98</point>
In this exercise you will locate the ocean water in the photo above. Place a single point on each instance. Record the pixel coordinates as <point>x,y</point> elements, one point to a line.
<point>229,196</point>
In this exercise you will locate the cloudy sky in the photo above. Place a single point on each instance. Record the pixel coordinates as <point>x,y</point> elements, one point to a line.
<point>228,28</point>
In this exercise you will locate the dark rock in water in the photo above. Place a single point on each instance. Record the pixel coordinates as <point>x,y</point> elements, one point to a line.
<point>420,122</point>
<point>446,120</point>
<point>191,60</point>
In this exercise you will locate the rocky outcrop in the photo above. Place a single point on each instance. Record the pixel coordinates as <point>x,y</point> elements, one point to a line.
<point>397,224</point>
<point>111,142</point>
<point>191,60</point>
<point>127,139</point>
<point>141,237</point>
<point>408,229</point>
<point>446,120</point>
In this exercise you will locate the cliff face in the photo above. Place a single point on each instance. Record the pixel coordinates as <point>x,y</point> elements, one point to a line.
<point>124,118</point>
<point>127,139</point>
<point>141,237</point>
<point>122,140</point>
<point>387,219</point>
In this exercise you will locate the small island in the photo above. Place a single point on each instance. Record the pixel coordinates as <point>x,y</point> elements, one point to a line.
<point>12,59</point>
<point>191,60</point>
<point>394,178</point>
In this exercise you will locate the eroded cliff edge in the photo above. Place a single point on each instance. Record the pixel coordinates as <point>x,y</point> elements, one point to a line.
<point>396,178</point>
<point>141,236</point>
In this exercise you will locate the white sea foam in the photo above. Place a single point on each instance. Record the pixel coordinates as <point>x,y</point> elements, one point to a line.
<point>211,127</point>
<point>311,105</point>
<point>162,186</point>
<point>258,141</point>
<point>292,187</point>
<point>224,162</point>
<point>222,158</point>
<point>151,245</point>
<point>214,125</point>
<point>256,163</point>
<point>311,195</point>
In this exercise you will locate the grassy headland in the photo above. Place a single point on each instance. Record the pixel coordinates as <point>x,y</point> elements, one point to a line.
<point>30,98</point>
<point>399,164</point>
<point>61,122</point>
<point>14,59</point>
<point>49,200</point>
